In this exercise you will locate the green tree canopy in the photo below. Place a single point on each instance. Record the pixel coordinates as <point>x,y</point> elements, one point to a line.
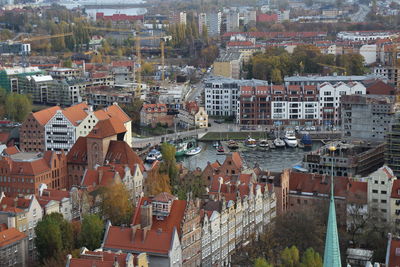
<point>311,258</point>
<point>91,232</point>
<point>116,204</point>
<point>261,262</point>
<point>54,237</point>
<point>290,257</point>
<point>18,106</point>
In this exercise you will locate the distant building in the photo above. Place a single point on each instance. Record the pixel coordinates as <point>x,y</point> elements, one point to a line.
<point>12,79</point>
<point>350,159</point>
<point>232,21</point>
<point>214,24</point>
<point>228,65</point>
<point>392,153</point>
<point>366,35</point>
<point>249,17</point>
<point>8,48</point>
<point>153,114</point>
<point>316,80</point>
<point>201,118</point>
<point>13,248</point>
<point>366,116</point>
<point>202,18</point>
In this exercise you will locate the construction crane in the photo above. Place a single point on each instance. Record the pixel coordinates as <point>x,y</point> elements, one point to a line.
<point>138,48</point>
<point>334,67</point>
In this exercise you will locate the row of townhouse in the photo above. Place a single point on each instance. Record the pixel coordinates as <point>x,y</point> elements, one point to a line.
<point>259,103</point>
<point>238,213</point>
<point>58,129</point>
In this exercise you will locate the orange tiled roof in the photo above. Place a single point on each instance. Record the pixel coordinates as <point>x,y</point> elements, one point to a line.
<point>106,128</point>
<point>78,152</point>
<point>4,137</point>
<point>100,259</point>
<point>164,197</point>
<point>237,159</point>
<point>117,112</point>
<point>53,194</point>
<point>153,108</point>
<point>394,255</point>
<point>76,113</point>
<point>103,176</point>
<point>395,189</point>
<point>122,238</point>
<point>358,192</point>
<point>10,236</point>
<point>11,150</point>
<point>43,116</point>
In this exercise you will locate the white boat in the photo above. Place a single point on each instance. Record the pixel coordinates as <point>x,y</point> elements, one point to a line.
<point>263,143</point>
<point>290,139</point>
<point>153,156</point>
<point>250,142</point>
<point>193,151</point>
<point>279,142</point>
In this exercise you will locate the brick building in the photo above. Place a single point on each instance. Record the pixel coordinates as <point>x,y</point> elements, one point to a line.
<point>153,114</point>
<point>32,132</point>
<point>23,172</point>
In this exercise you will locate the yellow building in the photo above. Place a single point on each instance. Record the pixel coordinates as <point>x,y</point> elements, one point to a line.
<point>201,118</point>
<point>228,65</point>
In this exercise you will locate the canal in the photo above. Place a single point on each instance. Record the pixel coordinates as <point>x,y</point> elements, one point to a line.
<point>271,159</point>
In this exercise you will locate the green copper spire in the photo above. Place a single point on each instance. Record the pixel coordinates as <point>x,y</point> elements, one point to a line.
<point>332,249</point>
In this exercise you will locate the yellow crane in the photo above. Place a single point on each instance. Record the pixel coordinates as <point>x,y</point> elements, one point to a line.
<point>334,67</point>
<point>44,37</point>
<point>138,48</point>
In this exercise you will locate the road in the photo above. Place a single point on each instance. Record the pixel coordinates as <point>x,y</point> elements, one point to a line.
<point>361,14</point>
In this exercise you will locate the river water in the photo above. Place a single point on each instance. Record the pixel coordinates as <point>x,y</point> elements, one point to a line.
<point>271,159</point>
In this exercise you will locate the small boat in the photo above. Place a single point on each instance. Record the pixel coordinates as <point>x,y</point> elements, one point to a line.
<point>193,151</point>
<point>250,142</point>
<point>153,156</point>
<point>306,140</point>
<point>263,143</point>
<point>233,144</point>
<point>279,142</point>
<point>290,139</point>
<point>216,144</point>
<point>220,150</point>
<point>299,168</point>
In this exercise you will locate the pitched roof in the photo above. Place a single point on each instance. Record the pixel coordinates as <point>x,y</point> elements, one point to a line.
<point>102,176</point>
<point>164,197</point>
<point>153,108</point>
<point>78,152</point>
<point>358,192</point>
<point>76,113</point>
<point>11,150</point>
<point>237,159</point>
<point>380,88</point>
<point>154,241</point>
<point>33,167</point>
<point>18,202</point>
<point>120,152</point>
<point>107,128</point>
<point>100,259</point>
<point>43,116</point>
<point>116,111</point>
<point>10,236</point>
<point>4,137</point>
<point>395,189</point>
<point>53,194</point>
<point>394,253</point>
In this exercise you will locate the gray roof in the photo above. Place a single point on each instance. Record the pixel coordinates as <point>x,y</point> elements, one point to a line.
<point>333,78</point>
<point>226,57</point>
<point>220,79</point>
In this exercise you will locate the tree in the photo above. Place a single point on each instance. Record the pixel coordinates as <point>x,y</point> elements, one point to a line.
<point>18,106</point>
<point>168,166</point>
<point>97,58</point>
<point>311,258</point>
<point>261,262</point>
<point>157,182</point>
<point>133,111</point>
<point>92,231</point>
<point>54,237</point>
<point>290,257</point>
<point>276,76</point>
<point>116,204</point>
<point>67,63</point>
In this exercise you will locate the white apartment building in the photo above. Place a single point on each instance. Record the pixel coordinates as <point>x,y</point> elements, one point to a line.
<point>232,21</point>
<point>329,99</point>
<point>286,110</point>
<point>202,22</point>
<point>380,185</point>
<point>365,35</point>
<point>214,23</point>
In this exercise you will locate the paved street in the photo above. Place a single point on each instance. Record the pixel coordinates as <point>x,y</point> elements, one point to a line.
<point>361,14</point>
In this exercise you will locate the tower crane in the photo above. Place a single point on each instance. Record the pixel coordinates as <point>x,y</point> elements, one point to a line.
<point>138,48</point>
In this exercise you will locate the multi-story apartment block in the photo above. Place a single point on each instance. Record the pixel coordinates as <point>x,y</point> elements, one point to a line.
<point>317,80</point>
<point>23,172</point>
<point>395,205</point>
<point>228,65</point>
<point>107,98</point>
<point>392,152</point>
<point>380,184</point>
<point>232,21</point>
<point>13,248</point>
<point>153,114</point>
<point>202,22</point>
<point>214,23</point>
<point>329,99</point>
<point>11,79</point>
<point>222,94</point>
<point>366,116</point>
<point>98,80</point>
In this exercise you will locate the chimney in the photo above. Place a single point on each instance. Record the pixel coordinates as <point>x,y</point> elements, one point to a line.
<point>134,228</point>
<point>146,214</point>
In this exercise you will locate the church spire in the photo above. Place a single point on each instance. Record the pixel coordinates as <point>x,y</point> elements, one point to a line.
<point>332,249</point>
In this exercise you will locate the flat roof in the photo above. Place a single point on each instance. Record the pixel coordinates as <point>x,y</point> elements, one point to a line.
<point>26,156</point>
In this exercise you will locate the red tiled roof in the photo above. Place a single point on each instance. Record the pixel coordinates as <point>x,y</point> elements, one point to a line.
<point>78,152</point>
<point>119,152</point>
<point>153,108</point>
<point>267,17</point>
<point>115,111</point>
<point>43,116</point>
<point>237,159</point>
<point>4,137</point>
<point>395,189</point>
<point>122,238</point>
<point>381,88</point>
<point>10,236</point>
<point>394,253</point>
<point>107,128</point>
<point>27,167</point>
<point>11,150</point>
<point>164,197</point>
<point>53,194</point>
<point>20,202</point>
<point>103,176</point>
<point>100,259</point>
<point>123,63</point>
<point>97,75</point>
<point>240,43</point>
<point>358,192</point>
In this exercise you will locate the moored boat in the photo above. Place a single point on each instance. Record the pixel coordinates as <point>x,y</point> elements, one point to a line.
<point>220,150</point>
<point>306,140</point>
<point>193,151</point>
<point>153,156</point>
<point>263,143</point>
<point>233,144</point>
<point>290,139</point>
<point>250,142</point>
<point>279,142</point>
